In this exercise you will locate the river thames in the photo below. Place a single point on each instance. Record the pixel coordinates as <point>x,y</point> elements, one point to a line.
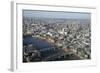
<point>48,52</point>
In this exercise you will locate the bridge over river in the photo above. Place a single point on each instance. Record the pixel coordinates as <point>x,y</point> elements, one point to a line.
<point>61,54</point>
<point>47,51</point>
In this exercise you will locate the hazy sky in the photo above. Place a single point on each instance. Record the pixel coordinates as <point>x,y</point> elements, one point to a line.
<point>52,14</point>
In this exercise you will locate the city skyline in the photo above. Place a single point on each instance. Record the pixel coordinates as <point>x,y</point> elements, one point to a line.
<point>51,38</point>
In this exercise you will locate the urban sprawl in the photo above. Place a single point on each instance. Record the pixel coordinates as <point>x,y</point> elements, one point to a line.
<point>69,39</point>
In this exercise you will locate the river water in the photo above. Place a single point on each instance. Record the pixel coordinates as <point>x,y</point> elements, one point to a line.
<point>43,44</point>
<point>37,42</point>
